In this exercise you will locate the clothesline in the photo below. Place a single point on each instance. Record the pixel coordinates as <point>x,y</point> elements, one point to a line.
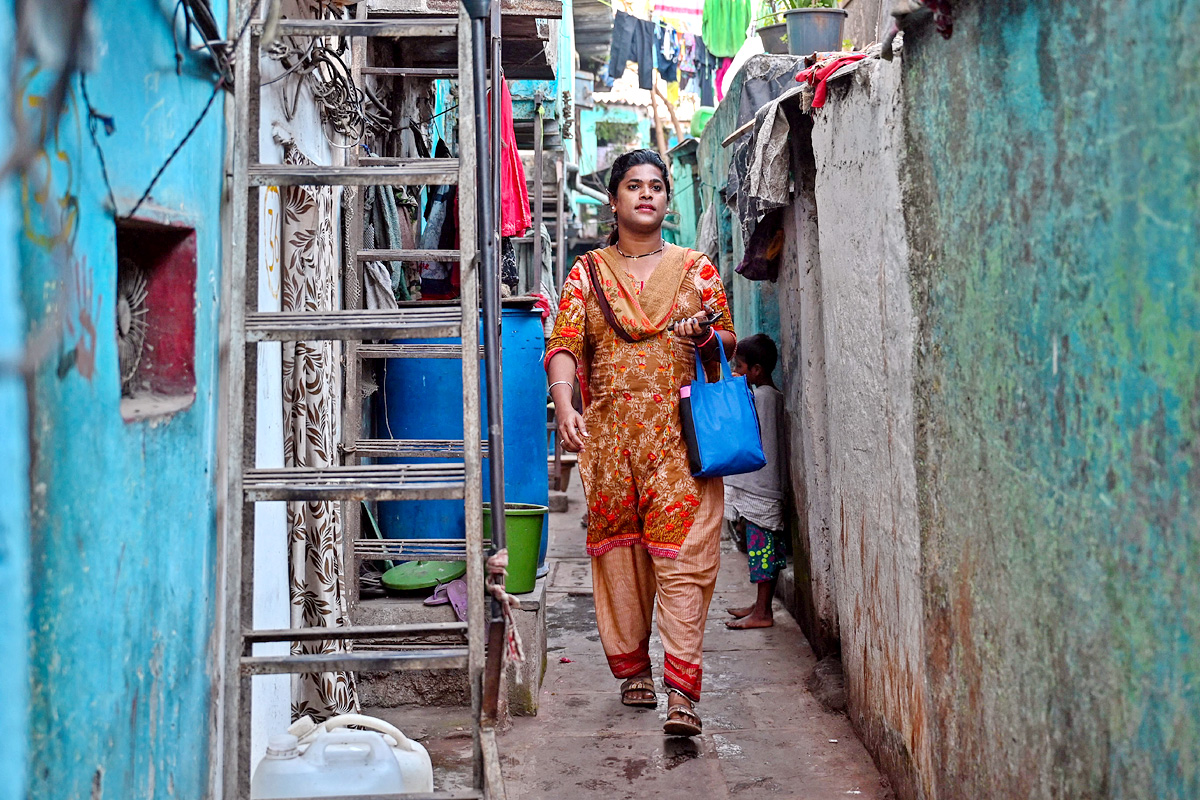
<point>657,22</point>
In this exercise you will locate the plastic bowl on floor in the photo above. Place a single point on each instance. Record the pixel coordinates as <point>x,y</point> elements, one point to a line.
<point>413,576</point>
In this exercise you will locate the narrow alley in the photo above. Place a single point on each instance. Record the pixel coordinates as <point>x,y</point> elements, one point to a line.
<point>773,726</point>
<point>765,734</point>
<point>316,316</point>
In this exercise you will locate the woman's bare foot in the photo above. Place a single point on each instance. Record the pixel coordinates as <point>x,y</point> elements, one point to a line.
<point>745,611</point>
<point>750,621</point>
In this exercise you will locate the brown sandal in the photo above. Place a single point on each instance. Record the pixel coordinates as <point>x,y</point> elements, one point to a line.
<point>682,721</point>
<point>632,685</point>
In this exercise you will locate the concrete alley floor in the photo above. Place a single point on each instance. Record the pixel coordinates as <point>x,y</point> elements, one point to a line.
<point>765,734</point>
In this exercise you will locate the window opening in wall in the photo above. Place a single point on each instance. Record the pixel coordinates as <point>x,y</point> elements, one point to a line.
<point>155,318</point>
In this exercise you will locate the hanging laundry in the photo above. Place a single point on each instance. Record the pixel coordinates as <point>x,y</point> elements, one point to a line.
<point>666,51</point>
<point>632,40</point>
<point>673,93</point>
<point>725,25</point>
<point>435,275</point>
<point>440,279</point>
<point>719,78</point>
<point>672,43</point>
<point>687,53</point>
<point>388,226</point>
<point>514,194</point>
<point>706,66</point>
<point>685,16</point>
<point>509,278</point>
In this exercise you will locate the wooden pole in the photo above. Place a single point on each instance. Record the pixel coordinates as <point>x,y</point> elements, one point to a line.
<point>659,135</point>
<point>670,111</point>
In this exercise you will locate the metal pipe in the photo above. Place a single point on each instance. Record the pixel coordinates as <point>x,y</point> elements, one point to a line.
<point>490,278</point>
<point>479,11</point>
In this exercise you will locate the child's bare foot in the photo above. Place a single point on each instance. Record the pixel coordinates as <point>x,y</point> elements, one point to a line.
<point>740,612</point>
<point>750,620</point>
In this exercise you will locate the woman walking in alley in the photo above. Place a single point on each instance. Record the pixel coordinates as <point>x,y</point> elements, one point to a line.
<point>631,315</point>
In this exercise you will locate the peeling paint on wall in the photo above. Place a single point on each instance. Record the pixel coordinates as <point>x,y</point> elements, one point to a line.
<point>123,515</point>
<point>869,332</point>
<point>14,472</point>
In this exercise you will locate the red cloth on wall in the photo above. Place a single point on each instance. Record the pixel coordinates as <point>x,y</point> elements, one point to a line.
<point>818,75</point>
<point>515,218</point>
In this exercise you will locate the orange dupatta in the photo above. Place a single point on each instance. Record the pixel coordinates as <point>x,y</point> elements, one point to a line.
<point>646,313</point>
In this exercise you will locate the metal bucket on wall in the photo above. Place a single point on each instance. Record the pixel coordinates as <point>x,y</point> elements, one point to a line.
<point>814,30</point>
<point>422,399</point>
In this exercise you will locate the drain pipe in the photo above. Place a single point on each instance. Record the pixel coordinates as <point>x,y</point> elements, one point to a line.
<point>479,11</point>
<point>579,186</point>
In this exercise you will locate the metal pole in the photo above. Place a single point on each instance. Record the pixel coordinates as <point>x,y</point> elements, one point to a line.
<point>538,189</point>
<point>479,11</point>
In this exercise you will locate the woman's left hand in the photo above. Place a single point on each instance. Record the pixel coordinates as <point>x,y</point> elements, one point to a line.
<point>696,327</point>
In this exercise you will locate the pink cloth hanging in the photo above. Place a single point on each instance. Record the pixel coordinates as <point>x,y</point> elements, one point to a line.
<point>726,63</point>
<point>515,218</point>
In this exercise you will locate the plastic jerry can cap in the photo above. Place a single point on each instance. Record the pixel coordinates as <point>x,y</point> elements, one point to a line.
<point>283,745</point>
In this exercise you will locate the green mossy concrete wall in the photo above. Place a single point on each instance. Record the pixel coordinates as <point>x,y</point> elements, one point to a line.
<point>1053,211</point>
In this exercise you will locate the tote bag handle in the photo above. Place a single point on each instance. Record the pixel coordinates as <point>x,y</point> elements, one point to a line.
<point>726,372</point>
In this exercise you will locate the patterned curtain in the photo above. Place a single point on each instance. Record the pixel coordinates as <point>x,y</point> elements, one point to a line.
<point>312,400</point>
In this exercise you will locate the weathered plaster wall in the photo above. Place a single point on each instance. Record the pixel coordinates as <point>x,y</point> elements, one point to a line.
<point>123,529</point>
<point>866,21</point>
<point>869,331</point>
<point>803,371</point>
<point>14,468</point>
<point>1054,219</point>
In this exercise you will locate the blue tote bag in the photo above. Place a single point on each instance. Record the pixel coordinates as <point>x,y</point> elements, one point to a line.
<point>720,426</point>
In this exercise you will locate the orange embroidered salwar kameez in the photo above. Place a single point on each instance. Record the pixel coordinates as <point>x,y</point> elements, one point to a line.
<point>653,529</point>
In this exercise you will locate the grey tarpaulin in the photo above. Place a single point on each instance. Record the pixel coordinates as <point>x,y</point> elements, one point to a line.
<point>767,180</point>
<point>766,78</point>
<point>759,179</point>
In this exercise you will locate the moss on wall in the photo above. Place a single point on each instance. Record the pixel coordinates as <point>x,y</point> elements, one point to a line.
<point>1054,217</point>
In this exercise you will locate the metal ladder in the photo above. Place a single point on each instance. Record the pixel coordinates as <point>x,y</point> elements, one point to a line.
<point>243,485</point>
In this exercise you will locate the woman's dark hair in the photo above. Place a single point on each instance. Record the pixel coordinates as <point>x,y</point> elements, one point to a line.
<point>626,162</point>
<point>758,349</point>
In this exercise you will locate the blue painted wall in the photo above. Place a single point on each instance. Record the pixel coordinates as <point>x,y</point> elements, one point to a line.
<point>123,514</point>
<point>14,469</point>
<point>1054,216</point>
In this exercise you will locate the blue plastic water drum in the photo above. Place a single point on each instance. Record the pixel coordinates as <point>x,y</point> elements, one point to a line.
<point>422,399</point>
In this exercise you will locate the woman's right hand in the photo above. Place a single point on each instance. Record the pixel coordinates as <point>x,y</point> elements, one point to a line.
<point>571,429</point>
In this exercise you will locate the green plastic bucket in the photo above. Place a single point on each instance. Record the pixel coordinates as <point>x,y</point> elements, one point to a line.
<point>523,531</point>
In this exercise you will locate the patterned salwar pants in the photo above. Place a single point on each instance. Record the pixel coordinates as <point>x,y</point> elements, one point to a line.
<point>629,584</point>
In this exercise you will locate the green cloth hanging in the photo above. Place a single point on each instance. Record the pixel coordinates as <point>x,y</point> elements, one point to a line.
<point>724,26</point>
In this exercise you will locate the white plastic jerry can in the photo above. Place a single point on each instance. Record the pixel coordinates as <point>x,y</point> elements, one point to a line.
<point>341,763</point>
